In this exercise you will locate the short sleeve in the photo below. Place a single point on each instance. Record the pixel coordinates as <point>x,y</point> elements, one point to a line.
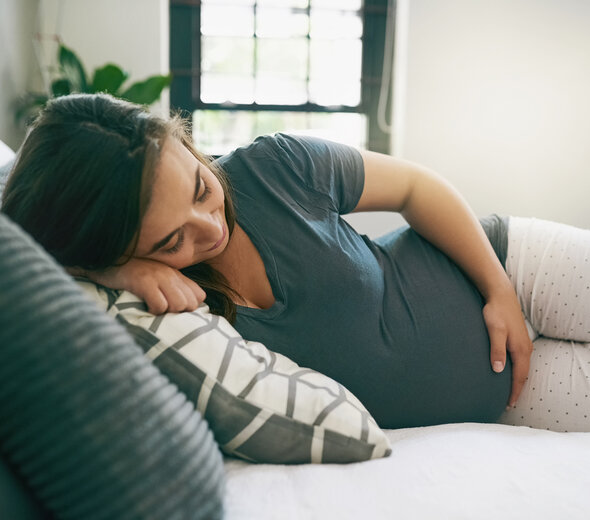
<point>304,166</point>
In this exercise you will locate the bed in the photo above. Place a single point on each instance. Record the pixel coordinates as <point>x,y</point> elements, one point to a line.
<point>453,471</point>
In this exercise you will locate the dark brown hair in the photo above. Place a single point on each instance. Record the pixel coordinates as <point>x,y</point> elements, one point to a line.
<point>82,183</point>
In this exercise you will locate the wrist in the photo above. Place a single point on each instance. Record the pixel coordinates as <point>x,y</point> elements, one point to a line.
<point>496,286</point>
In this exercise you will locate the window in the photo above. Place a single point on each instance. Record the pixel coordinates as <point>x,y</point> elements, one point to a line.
<point>242,68</point>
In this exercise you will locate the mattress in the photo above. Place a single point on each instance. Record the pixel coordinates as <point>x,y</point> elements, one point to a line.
<point>454,471</point>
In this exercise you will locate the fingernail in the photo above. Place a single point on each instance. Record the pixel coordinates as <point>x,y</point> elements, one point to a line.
<point>498,366</point>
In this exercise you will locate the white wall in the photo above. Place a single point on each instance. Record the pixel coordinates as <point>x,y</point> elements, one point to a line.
<point>496,96</point>
<point>17,68</point>
<point>130,33</point>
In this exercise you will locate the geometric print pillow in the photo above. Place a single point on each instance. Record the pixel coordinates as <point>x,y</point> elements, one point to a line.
<point>260,405</point>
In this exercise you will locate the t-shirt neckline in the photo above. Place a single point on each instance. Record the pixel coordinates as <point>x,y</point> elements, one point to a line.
<point>272,272</point>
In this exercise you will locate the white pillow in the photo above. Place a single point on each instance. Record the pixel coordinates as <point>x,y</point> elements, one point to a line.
<point>6,159</point>
<point>6,154</point>
<point>260,405</point>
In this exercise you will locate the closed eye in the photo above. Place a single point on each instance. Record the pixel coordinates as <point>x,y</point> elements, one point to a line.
<point>178,245</point>
<point>198,181</point>
<point>205,195</point>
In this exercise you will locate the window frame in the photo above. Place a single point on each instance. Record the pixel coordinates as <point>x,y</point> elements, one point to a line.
<point>185,66</point>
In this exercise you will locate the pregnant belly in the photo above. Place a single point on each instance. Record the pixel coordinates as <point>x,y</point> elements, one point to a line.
<point>434,366</point>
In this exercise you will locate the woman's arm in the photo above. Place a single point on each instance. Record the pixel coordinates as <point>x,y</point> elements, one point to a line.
<point>435,210</point>
<point>163,288</point>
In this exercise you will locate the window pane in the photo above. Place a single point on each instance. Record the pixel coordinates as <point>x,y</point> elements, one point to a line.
<point>271,122</point>
<point>218,88</point>
<point>217,132</point>
<point>282,58</point>
<point>344,128</point>
<point>334,92</point>
<point>329,23</point>
<point>227,2</point>
<point>337,4</point>
<point>227,55</point>
<point>271,90</point>
<point>283,3</point>
<point>336,59</point>
<point>282,23</point>
<point>224,21</point>
<point>279,52</point>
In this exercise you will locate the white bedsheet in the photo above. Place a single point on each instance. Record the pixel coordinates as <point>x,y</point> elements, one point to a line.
<point>454,471</point>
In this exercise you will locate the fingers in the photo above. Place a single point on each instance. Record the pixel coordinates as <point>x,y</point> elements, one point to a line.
<point>156,302</point>
<point>520,357</point>
<point>498,351</point>
<point>175,294</point>
<point>498,338</point>
<point>508,333</point>
<point>175,298</point>
<point>195,290</point>
<point>191,295</point>
<point>521,360</point>
<point>178,296</point>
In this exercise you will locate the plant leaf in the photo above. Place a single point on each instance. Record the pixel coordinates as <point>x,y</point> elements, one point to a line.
<point>108,78</point>
<point>61,87</point>
<point>148,91</point>
<point>72,69</point>
<point>28,107</point>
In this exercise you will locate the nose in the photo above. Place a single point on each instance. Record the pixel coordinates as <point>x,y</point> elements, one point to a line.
<point>205,226</point>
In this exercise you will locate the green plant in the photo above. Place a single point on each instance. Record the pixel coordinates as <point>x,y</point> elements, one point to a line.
<point>72,78</point>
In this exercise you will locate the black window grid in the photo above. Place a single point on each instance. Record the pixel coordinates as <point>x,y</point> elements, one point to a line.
<point>185,65</point>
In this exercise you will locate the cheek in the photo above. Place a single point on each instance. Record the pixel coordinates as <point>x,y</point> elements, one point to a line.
<point>185,257</point>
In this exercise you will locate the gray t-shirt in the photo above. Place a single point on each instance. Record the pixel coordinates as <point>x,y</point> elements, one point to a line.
<point>392,319</point>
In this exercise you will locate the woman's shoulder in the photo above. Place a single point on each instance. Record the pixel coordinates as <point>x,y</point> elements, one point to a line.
<point>294,147</point>
<point>273,156</point>
<point>303,166</point>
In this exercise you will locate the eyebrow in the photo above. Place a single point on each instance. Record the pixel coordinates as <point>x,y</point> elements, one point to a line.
<point>161,243</point>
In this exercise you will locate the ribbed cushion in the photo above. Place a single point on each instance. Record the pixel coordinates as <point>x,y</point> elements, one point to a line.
<point>92,426</point>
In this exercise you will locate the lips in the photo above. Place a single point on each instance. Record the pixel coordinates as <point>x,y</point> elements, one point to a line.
<point>220,241</point>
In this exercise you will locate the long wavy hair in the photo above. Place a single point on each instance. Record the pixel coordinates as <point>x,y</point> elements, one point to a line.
<point>83,179</point>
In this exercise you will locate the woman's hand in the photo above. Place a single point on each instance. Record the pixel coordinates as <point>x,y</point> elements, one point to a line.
<point>508,332</point>
<point>163,288</point>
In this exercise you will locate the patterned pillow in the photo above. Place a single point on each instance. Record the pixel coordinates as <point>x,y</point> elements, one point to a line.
<point>260,405</point>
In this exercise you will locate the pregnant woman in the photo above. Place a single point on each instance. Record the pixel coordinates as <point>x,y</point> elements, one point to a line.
<point>425,325</point>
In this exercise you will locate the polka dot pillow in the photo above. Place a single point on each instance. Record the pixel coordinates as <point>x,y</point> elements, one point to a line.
<point>260,405</point>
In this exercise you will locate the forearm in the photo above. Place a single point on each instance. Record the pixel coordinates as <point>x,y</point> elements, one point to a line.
<point>435,210</point>
<point>440,214</point>
<point>163,288</point>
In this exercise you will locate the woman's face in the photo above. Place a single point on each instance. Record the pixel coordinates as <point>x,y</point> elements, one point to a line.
<point>185,221</point>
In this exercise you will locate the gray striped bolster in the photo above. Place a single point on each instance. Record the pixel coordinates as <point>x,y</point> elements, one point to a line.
<point>93,427</point>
